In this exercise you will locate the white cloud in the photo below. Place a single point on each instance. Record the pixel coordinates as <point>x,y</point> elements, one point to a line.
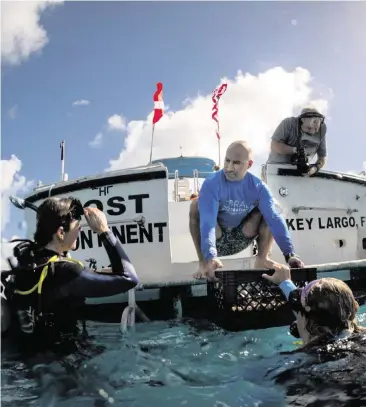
<point>117,122</point>
<point>12,112</point>
<point>21,31</point>
<point>12,183</point>
<point>81,102</point>
<point>294,21</point>
<point>6,252</point>
<point>97,141</point>
<point>251,109</point>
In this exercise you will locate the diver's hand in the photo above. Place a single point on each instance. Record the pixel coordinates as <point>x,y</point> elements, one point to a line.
<point>281,273</point>
<point>96,219</point>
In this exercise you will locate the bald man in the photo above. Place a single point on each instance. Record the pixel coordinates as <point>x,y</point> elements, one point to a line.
<point>235,207</point>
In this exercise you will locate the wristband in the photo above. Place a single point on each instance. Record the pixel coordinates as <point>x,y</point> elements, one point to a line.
<point>288,256</point>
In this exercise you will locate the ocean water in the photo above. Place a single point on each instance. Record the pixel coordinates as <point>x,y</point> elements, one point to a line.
<point>168,364</point>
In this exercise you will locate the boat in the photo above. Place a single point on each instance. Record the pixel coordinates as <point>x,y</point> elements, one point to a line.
<point>147,208</point>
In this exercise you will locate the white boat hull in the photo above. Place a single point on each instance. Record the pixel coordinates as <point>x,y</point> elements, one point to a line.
<point>326,216</point>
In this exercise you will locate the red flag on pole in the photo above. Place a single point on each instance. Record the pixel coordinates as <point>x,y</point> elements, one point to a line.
<point>217,93</point>
<point>158,103</point>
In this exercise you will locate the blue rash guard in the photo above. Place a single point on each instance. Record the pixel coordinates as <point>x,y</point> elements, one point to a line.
<point>229,202</point>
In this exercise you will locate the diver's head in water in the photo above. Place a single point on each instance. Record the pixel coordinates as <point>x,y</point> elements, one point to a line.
<point>326,308</point>
<point>58,223</point>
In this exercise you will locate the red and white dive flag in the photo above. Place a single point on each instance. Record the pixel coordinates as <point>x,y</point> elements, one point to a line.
<point>158,103</point>
<point>217,93</point>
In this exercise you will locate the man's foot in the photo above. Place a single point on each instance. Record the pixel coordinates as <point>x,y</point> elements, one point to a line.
<point>207,269</point>
<point>202,270</point>
<point>265,263</point>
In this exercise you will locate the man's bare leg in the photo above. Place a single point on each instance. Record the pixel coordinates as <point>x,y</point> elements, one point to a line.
<point>265,241</point>
<point>194,228</point>
<point>256,225</point>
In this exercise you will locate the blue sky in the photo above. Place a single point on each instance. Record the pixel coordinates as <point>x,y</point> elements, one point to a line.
<point>113,53</point>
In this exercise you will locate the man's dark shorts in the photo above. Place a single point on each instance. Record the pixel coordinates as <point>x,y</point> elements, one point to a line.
<point>233,241</point>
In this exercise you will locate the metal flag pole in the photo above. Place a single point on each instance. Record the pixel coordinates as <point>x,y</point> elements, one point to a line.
<point>152,142</point>
<point>218,143</point>
<point>62,146</point>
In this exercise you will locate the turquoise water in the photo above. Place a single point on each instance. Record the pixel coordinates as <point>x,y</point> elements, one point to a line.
<point>167,364</point>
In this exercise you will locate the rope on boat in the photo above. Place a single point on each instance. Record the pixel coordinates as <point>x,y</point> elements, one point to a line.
<point>128,317</point>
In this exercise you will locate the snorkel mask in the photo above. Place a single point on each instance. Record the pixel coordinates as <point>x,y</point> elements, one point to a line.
<point>297,301</point>
<point>76,209</point>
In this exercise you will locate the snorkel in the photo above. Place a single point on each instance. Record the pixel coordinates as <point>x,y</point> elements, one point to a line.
<point>297,300</point>
<point>76,208</point>
<point>22,203</point>
<point>76,211</point>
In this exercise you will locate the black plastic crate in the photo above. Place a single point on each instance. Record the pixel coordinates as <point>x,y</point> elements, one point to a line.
<point>247,291</point>
<point>242,299</point>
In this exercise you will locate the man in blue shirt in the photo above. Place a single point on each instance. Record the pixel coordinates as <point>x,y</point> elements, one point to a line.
<point>234,208</point>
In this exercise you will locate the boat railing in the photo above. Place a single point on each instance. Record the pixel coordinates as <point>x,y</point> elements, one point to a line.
<point>198,174</point>
<point>182,191</point>
<point>176,186</point>
<point>196,185</point>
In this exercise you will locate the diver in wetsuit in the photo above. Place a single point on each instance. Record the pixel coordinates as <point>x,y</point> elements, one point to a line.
<point>329,369</point>
<point>46,290</point>
<point>325,309</point>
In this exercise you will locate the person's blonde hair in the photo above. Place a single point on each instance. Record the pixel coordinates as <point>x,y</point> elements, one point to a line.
<point>333,308</point>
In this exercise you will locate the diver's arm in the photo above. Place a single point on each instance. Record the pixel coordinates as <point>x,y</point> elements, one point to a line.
<point>282,278</point>
<point>91,284</point>
<point>286,287</point>
<point>117,256</point>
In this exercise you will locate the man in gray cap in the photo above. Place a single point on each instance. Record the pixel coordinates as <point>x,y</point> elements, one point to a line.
<point>297,135</point>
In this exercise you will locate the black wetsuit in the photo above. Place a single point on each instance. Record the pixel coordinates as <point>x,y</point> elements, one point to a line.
<point>65,288</point>
<point>328,373</point>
